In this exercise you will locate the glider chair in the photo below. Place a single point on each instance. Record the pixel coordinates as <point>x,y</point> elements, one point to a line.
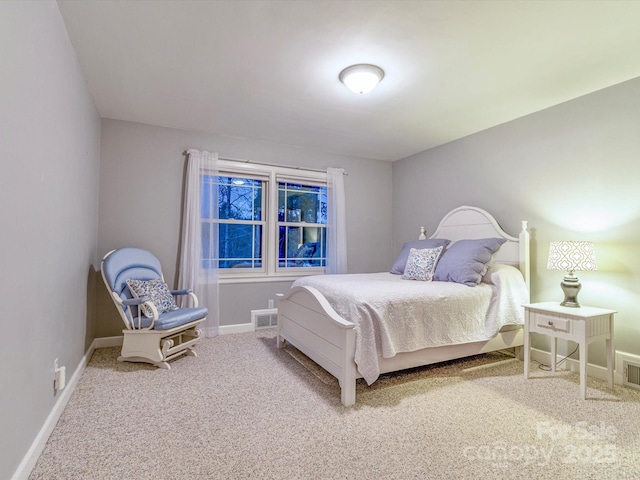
<point>156,329</point>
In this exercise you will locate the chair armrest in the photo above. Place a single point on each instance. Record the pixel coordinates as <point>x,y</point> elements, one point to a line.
<point>184,291</point>
<point>135,301</point>
<point>187,291</point>
<point>129,302</point>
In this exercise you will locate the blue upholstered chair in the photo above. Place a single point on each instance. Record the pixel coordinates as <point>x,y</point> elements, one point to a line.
<point>156,329</point>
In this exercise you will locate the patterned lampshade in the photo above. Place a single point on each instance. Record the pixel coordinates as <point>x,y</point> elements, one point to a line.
<point>571,256</point>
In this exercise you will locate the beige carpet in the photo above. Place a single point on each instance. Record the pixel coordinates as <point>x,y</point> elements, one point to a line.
<point>245,410</point>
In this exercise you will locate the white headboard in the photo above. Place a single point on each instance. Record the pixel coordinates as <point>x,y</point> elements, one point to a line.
<point>472,222</point>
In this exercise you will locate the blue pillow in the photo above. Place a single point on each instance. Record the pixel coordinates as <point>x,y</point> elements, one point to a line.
<point>466,261</point>
<point>401,261</point>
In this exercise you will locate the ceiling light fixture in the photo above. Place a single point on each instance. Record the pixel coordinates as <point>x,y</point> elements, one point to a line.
<point>361,78</point>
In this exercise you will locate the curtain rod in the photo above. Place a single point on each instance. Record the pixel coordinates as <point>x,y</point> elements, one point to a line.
<point>242,160</point>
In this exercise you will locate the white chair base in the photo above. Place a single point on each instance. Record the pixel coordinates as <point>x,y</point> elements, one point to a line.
<point>157,347</point>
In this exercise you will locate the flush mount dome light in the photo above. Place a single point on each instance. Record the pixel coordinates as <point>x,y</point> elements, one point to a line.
<point>361,78</point>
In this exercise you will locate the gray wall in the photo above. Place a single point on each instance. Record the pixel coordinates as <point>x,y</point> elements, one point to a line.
<point>572,171</point>
<point>141,182</point>
<point>49,149</point>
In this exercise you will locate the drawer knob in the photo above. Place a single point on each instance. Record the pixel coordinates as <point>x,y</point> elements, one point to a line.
<point>550,322</point>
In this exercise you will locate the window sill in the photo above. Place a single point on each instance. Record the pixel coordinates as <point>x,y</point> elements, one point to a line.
<point>263,278</point>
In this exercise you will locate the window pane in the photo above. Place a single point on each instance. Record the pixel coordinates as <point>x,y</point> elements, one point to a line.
<point>240,246</point>
<point>239,198</point>
<point>302,203</point>
<point>301,246</point>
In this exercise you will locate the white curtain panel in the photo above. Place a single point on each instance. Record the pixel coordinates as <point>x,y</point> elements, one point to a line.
<point>336,222</point>
<point>203,281</point>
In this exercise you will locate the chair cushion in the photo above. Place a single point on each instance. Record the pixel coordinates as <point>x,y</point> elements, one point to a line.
<point>124,263</point>
<point>175,318</point>
<point>158,293</point>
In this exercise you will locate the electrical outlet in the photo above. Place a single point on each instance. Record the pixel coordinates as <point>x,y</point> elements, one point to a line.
<point>58,376</point>
<point>55,374</point>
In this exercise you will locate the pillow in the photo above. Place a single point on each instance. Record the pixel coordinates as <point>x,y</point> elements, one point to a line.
<point>466,261</point>
<point>513,290</point>
<point>498,273</point>
<point>401,261</point>
<point>158,293</point>
<point>421,264</point>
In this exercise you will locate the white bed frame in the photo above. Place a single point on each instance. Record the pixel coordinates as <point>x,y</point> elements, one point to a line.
<point>308,322</point>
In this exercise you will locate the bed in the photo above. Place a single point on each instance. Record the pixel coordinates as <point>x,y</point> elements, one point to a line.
<point>360,341</point>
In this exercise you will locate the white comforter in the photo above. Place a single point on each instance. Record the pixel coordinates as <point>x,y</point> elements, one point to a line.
<point>392,315</point>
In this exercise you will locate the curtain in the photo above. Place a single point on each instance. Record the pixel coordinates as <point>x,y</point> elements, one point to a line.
<point>192,274</point>
<point>336,222</point>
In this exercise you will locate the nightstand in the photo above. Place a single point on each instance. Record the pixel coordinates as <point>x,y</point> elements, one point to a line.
<point>582,325</point>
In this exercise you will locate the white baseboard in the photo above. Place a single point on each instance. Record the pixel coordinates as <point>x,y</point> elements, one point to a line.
<point>239,328</point>
<point>104,342</point>
<point>29,461</point>
<point>572,365</point>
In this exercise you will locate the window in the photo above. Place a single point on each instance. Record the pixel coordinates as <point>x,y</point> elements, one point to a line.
<point>239,203</point>
<point>302,225</point>
<point>270,220</point>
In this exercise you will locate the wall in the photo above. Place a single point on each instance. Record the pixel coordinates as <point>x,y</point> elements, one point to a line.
<point>49,149</point>
<point>572,171</point>
<point>141,183</point>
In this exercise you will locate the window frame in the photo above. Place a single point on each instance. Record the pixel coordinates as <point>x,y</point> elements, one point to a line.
<point>301,224</point>
<point>271,175</point>
<point>233,221</point>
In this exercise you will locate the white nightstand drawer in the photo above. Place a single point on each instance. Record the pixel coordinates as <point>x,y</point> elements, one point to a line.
<point>552,322</point>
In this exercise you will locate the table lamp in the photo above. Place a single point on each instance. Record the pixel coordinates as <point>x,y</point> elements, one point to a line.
<point>571,256</point>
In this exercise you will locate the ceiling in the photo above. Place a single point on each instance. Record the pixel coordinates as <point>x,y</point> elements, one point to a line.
<point>268,70</point>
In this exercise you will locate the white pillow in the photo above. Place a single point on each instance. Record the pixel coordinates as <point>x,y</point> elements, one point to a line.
<point>499,273</point>
<point>421,264</point>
